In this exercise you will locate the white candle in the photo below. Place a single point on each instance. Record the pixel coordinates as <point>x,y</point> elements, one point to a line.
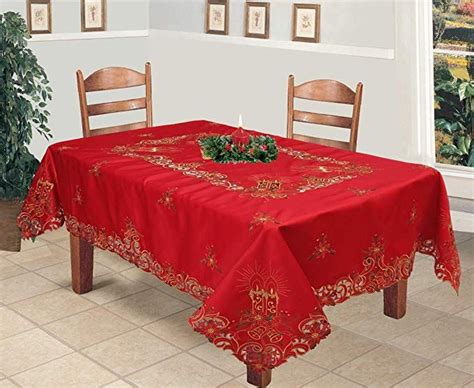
<point>240,121</point>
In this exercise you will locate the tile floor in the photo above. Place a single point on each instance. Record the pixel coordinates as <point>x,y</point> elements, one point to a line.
<point>131,330</point>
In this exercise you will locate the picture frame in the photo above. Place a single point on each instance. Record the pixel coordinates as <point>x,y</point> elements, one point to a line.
<point>257,20</point>
<point>93,15</point>
<point>39,16</point>
<point>306,22</point>
<point>217,17</point>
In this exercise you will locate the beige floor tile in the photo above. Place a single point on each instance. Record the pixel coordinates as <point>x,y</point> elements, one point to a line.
<point>89,327</point>
<point>438,339</point>
<point>436,376</point>
<point>355,309</point>
<point>466,253</point>
<point>293,373</point>
<point>11,323</point>
<point>131,351</point>
<point>382,367</point>
<point>146,307</point>
<point>175,293</point>
<point>73,370</point>
<point>423,276</point>
<point>29,349</point>
<point>30,244</point>
<point>138,275</point>
<point>182,370</point>
<point>223,359</point>
<point>462,360</point>
<point>462,236</point>
<point>112,287</point>
<point>61,273</point>
<point>177,330</point>
<point>8,269</point>
<point>382,328</point>
<point>24,286</point>
<point>467,314</point>
<point>51,306</point>
<point>442,297</point>
<point>40,257</point>
<point>469,385</point>
<point>7,384</point>
<point>233,384</point>
<point>332,381</point>
<point>118,384</point>
<point>340,347</point>
<point>112,260</point>
<point>57,235</point>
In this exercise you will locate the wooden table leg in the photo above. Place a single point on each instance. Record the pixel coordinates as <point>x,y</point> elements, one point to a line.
<point>395,300</point>
<point>82,264</point>
<point>259,378</point>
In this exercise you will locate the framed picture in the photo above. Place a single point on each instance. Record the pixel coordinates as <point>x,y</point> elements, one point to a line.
<point>217,17</point>
<point>39,16</point>
<point>93,15</point>
<point>257,20</point>
<point>306,22</point>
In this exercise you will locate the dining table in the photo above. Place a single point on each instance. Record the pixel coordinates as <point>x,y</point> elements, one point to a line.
<point>265,247</point>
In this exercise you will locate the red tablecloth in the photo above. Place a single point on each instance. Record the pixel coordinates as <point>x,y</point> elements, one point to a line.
<point>264,246</point>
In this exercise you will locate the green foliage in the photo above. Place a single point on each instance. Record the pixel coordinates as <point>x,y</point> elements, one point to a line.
<point>442,5</point>
<point>455,100</point>
<point>439,26</point>
<point>24,94</point>
<point>222,150</point>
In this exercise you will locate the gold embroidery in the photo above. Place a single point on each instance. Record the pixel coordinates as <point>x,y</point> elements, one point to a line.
<point>361,192</point>
<point>314,182</point>
<point>322,248</point>
<point>376,274</point>
<point>413,212</point>
<point>167,199</point>
<point>129,247</point>
<point>78,197</point>
<point>264,323</point>
<point>262,218</point>
<point>267,188</point>
<point>66,148</point>
<point>95,169</point>
<point>210,259</point>
<point>146,135</point>
<point>38,203</point>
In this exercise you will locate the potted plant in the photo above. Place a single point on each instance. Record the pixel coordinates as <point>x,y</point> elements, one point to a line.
<point>24,93</point>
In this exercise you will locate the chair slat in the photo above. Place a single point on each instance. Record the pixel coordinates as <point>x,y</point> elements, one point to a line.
<point>119,128</point>
<point>326,91</point>
<point>113,78</point>
<point>327,142</point>
<point>116,106</point>
<point>322,119</point>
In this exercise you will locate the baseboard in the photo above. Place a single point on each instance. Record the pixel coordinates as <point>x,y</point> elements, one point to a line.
<point>463,222</point>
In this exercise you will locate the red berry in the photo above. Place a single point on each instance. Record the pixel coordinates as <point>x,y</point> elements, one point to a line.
<point>264,147</point>
<point>228,147</point>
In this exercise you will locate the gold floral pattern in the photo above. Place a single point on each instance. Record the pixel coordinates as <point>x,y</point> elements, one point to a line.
<point>376,274</point>
<point>210,259</point>
<point>39,201</point>
<point>129,247</point>
<point>413,214</point>
<point>95,168</point>
<point>360,192</point>
<point>167,199</point>
<point>322,248</point>
<point>78,197</point>
<point>67,148</point>
<point>257,338</point>
<point>261,218</point>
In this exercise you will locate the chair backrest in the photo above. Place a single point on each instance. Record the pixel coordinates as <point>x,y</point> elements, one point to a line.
<point>111,78</point>
<point>325,91</point>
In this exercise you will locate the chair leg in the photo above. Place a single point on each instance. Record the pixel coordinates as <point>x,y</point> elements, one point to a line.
<point>260,379</point>
<point>82,265</point>
<point>395,300</point>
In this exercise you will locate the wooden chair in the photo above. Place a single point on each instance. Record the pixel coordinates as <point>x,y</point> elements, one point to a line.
<point>326,91</point>
<point>111,78</point>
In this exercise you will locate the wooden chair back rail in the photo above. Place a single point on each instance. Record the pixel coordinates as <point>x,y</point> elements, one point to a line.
<point>322,119</point>
<point>325,91</point>
<point>112,78</point>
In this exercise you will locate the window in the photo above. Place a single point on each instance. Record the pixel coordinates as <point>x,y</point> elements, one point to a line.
<point>453,41</point>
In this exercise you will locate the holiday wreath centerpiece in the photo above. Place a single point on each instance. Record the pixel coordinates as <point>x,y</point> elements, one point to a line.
<point>239,147</point>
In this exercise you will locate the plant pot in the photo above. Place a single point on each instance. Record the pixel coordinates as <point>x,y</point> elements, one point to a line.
<point>10,235</point>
